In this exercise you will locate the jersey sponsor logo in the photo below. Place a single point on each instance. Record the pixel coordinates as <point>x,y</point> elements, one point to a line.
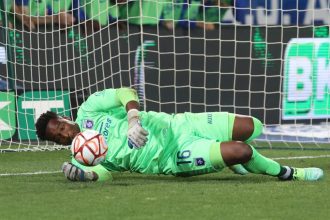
<point>209,118</point>
<point>104,130</point>
<point>88,123</point>
<point>199,161</point>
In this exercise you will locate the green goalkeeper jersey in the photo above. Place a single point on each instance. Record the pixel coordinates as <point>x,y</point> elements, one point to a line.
<point>181,144</point>
<point>104,112</point>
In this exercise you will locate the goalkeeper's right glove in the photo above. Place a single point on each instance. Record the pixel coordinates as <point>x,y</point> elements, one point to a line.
<point>74,173</point>
<point>137,135</point>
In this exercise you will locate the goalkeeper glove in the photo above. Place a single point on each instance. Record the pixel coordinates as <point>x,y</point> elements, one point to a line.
<point>137,135</point>
<point>74,173</point>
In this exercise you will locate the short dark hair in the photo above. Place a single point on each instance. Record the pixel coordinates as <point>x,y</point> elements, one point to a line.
<point>42,122</point>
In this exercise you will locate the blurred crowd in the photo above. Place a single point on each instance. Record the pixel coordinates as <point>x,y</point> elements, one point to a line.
<point>169,13</point>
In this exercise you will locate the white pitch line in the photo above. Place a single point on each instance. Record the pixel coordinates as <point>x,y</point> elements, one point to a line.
<point>29,174</point>
<point>300,157</point>
<point>53,172</point>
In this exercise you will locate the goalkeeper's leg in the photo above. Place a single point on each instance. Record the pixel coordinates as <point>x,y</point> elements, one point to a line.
<point>243,128</point>
<point>236,152</point>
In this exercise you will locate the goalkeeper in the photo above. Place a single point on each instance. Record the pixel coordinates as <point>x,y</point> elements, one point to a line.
<point>183,144</point>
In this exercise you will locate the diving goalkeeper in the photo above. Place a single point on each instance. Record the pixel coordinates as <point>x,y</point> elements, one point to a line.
<point>184,144</point>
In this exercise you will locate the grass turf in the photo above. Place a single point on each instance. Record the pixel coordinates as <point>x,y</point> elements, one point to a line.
<point>135,196</point>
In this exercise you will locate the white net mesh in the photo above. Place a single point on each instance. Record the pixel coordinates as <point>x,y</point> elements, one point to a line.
<point>268,59</point>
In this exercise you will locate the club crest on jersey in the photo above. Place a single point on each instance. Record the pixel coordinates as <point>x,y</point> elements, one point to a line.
<point>199,161</point>
<point>88,124</point>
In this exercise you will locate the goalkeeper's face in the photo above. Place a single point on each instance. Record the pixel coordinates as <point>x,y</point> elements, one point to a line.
<point>61,130</point>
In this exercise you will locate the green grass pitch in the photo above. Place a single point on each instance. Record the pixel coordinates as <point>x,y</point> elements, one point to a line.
<point>221,195</point>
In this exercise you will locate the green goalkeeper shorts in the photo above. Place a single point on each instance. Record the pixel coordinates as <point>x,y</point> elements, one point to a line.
<point>196,143</point>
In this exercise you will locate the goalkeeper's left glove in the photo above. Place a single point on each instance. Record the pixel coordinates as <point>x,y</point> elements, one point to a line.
<point>74,173</point>
<point>137,135</point>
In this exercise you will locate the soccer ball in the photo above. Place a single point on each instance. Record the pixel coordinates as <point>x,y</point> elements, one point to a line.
<point>89,148</point>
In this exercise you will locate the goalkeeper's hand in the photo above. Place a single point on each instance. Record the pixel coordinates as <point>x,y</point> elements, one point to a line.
<point>73,173</point>
<point>137,135</point>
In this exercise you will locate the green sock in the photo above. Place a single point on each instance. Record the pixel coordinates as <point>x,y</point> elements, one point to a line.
<point>262,165</point>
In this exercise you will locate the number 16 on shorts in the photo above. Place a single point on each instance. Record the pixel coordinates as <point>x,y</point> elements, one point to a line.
<point>183,157</point>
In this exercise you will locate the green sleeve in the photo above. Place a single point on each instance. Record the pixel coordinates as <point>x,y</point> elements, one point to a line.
<point>103,173</point>
<point>108,99</point>
<point>126,95</point>
<point>101,101</point>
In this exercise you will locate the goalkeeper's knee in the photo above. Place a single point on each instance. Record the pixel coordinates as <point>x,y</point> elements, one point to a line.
<point>258,127</point>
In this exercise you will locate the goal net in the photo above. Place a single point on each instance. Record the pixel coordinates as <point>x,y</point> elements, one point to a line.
<point>268,59</point>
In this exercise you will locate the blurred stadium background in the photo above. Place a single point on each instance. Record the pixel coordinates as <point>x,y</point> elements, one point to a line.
<point>269,59</point>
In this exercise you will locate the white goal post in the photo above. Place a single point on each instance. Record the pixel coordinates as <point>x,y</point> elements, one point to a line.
<point>269,59</point>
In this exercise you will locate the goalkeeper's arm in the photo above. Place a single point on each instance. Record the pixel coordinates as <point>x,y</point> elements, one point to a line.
<point>137,135</point>
<point>128,98</point>
<point>74,171</point>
